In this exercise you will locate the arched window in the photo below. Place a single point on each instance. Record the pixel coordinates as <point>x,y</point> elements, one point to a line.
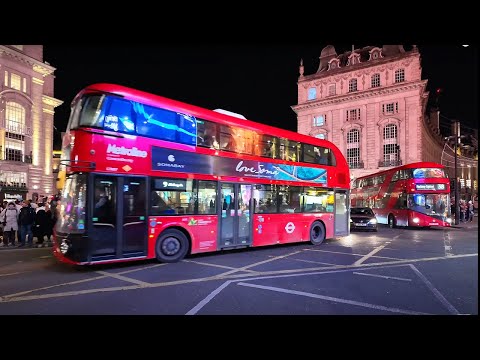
<point>321,136</point>
<point>352,85</point>
<point>391,149</point>
<point>353,149</point>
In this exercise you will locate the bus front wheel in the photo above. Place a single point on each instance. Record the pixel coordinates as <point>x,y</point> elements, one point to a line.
<point>171,246</point>
<point>391,221</point>
<point>317,233</point>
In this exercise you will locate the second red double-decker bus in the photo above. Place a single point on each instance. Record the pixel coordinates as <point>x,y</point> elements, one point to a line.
<point>150,177</point>
<point>416,194</point>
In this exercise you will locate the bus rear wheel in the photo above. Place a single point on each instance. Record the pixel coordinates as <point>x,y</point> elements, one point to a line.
<point>391,221</point>
<point>317,233</point>
<point>171,246</point>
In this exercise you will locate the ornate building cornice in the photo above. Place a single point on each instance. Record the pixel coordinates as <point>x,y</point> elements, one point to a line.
<point>47,100</point>
<point>359,95</point>
<point>36,65</point>
<point>363,68</point>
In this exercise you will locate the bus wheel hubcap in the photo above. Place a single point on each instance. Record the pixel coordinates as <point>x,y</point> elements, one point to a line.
<point>170,246</point>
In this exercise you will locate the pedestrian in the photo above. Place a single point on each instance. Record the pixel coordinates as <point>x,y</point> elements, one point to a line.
<point>470,211</point>
<point>26,220</point>
<point>9,218</point>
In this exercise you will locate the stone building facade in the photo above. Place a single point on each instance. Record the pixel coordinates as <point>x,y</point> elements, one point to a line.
<point>27,106</point>
<point>371,102</point>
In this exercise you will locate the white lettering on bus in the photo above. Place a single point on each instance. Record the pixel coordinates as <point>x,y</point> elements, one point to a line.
<point>113,149</point>
<point>252,170</point>
<point>171,165</point>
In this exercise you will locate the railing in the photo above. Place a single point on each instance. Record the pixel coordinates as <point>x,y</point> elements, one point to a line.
<point>9,155</point>
<point>389,163</point>
<point>356,165</point>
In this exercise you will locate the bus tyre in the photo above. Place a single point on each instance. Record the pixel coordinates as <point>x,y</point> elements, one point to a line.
<point>171,246</point>
<point>317,233</point>
<point>391,221</point>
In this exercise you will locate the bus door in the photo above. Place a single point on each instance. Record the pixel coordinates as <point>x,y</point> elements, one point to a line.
<point>118,217</point>
<point>341,213</point>
<point>235,225</point>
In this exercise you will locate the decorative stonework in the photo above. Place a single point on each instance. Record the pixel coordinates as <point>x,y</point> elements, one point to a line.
<point>48,111</point>
<point>37,81</point>
<point>47,100</point>
<point>42,70</point>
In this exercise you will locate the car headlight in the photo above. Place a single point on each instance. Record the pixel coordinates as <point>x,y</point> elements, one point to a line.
<point>373,221</point>
<point>351,220</point>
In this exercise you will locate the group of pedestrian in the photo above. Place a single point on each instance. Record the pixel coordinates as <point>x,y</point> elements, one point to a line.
<point>467,211</point>
<point>23,220</point>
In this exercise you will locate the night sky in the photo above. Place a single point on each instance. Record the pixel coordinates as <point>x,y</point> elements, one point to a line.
<point>258,81</point>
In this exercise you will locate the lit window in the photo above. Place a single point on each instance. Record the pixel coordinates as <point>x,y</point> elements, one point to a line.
<point>319,120</point>
<point>24,85</point>
<point>320,136</point>
<point>375,80</point>
<point>391,150</point>
<point>312,93</point>
<point>6,78</point>
<point>16,82</point>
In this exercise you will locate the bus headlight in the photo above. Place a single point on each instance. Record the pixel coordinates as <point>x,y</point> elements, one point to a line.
<point>416,220</point>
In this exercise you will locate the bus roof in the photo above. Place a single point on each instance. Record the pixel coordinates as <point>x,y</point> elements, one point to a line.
<point>414,165</point>
<point>197,111</point>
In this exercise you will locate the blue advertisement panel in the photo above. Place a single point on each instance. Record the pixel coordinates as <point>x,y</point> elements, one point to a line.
<point>186,162</point>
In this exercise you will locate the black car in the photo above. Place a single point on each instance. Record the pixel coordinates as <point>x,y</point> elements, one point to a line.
<point>362,218</point>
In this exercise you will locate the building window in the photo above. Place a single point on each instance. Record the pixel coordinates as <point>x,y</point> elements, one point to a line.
<point>353,149</point>
<point>331,90</point>
<point>16,82</point>
<point>11,178</point>
<point>375,80</point>
<point>24,85</point>
<point>353,115</point>
<point>6,78</point>
<point>391,150</point>
<point>312,93</point>
<point>14,141</point>
<point>321,136</point>
<point>390,108</point>
<point>319,120</point>
<point>399,75</point>
<point>352,85</point>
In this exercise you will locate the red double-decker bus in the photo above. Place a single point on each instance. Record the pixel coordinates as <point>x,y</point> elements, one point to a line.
<point>149,177</point>
<point>416,194</point>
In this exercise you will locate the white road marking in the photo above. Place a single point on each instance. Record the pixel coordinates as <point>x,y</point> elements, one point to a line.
<point>369,255</point>
<point>259,263</point>
<point>437,293</point>
<point>355,254</point>
<point>205,301</point>
<point>217,265</point>
<point>124,278</point>
<point>383,276</point>
<point>333,299</point>
<point>265,275</point>
<point>15,273</point>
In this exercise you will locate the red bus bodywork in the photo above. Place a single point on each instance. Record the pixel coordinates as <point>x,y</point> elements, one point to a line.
<point>101,152</point>
<point>388,194</point>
